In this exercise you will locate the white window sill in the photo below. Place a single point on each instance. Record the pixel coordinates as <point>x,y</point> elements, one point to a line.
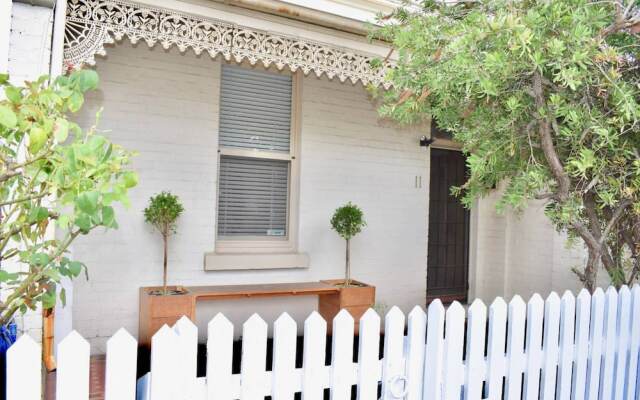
<point>253,261</point>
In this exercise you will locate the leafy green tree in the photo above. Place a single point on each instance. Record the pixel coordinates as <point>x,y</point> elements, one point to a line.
<point>52,174</point>
<point>543,96</point>
<point>348,221</point>
<point>162,213</point>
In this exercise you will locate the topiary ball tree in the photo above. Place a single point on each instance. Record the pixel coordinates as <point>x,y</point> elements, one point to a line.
<point>162,213</point>
<point>348,221</point>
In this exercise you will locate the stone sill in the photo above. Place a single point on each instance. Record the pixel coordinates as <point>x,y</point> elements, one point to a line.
<point>254,261</point>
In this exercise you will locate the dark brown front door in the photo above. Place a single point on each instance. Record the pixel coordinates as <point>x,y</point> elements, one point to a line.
<point>448,259</point>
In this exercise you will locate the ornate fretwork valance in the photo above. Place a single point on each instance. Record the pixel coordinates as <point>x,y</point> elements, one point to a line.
<point>93,23</point>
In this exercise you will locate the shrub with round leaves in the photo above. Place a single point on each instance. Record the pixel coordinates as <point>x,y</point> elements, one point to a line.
<point>52,173</point>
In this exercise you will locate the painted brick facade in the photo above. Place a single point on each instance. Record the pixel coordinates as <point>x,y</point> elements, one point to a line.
<point>164,105</point>
<point>29,42</point>
<point>29,52</point>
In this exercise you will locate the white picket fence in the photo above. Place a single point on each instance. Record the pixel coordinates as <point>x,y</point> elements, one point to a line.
<point>576,348</point>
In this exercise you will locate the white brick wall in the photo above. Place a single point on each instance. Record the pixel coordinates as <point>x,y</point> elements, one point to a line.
<point>5,34</point>
<point>28,57</point>
<point>522,254</point>
<point>164,105</point>
<point>30,42</point>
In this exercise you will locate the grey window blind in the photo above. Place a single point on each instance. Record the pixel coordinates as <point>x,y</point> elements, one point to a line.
<point>253,197</point>
<point>255,109</point>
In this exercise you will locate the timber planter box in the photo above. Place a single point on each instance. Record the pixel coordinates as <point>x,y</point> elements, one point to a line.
<point>355,299</point>
<point>157,310</point>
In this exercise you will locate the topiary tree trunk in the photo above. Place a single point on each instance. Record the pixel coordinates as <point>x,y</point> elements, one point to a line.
<point>347,274</point>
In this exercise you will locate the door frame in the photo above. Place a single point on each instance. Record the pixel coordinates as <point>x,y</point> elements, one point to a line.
<point>472,267</point>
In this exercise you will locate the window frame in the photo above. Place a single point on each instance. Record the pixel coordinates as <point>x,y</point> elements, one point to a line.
<point>260,244</point>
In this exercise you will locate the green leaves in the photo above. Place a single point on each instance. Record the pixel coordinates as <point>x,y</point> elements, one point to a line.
<point>348,221</point>
<point>88,202</point>
<point>83,173</point>
<point>38,214</point>
<point>85,80</point>
<point>61,131</point>
<point>75,101</point>
<point>37,139</point>
<point>478,61</point>
<point>13,94</point>
<point>584,163</point>
<point>108,217</point>
<point>163,211</point>
<point>7,117</point>
<point>130,179</point>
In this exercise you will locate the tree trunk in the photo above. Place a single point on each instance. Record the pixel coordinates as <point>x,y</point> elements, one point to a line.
<point>590,271</point>
<point>165,239</point>
<point>347,278</point>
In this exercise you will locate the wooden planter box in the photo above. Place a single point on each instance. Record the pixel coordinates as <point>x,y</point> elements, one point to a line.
<point>155,311</point>
<point>357,300</point>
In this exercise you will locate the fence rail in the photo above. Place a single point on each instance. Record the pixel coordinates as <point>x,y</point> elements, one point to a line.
<point>565,348</point>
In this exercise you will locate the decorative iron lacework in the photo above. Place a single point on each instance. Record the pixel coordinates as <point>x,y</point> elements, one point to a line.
<point>93,23</point>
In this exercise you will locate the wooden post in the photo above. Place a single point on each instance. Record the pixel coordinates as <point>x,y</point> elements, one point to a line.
<point>48,329</point>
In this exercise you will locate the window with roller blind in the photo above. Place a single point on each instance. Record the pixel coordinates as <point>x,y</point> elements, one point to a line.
<point>257,174</point>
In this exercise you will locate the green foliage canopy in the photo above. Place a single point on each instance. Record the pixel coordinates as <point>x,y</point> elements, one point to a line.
<point>54,176</point>
<point>543,96</point>
<point>163,212</point>
<point>348,221</point>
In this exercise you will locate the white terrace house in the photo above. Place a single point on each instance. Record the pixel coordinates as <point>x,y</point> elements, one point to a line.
<point>271,94</point>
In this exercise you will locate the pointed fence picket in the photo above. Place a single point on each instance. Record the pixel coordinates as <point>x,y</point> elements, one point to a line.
<point>535,312</point>
<point>515,348</point>
<point>566,346</point>
<point>368,363</point>
<point>23,370</point>
<point>219,358</point>
<point>495,349</point>
<point>609,347</point>
<point>313,370</point>
<point>284,358</point>
<point>583,317</point>
<point>453,352</point>
<point>254,354</point>
<point>475,350</point>
<point>72,375</point>
<point>392,364</point>
<point>578,348</point>
<point>551,347</point>
<point>414,365</point>
<point>634,346</point>
<point>120,379</point>
<point>595,344</point>
<point>623,330</point>
<point>434,352</point>
<point>342,370</point>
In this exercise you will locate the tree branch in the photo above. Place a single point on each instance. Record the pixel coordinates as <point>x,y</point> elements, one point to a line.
<point>598,242</point>
<point>22,199</point>
<point>5,177</point>
<point>617,214</point>
<point>546,141</point>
